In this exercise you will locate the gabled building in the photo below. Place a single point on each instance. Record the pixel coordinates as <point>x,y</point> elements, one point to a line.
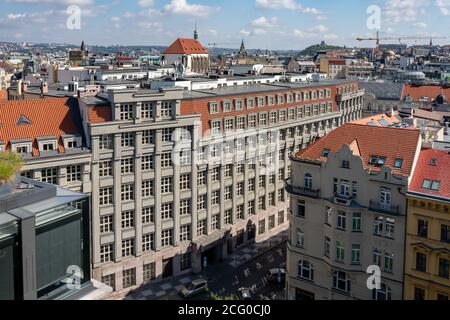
<point>348,212</point>
<point>427,256</point>
<point>49,136</point>
<point>190,53</point>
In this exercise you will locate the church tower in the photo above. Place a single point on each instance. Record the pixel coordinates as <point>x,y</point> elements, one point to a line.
<point>195,33</point>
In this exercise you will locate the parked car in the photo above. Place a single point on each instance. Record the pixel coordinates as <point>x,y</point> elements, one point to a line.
<point>245,294</point>
<point>193,288</point>
<point>277,274</point>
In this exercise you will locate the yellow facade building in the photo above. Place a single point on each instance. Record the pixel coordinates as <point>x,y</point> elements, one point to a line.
<point>427,254</point>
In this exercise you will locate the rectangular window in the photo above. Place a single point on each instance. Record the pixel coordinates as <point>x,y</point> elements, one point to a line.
<point>148,242</point>
<point>127,192</point>
<point>185,233</point>
<point>110,280</point>
<point>147,188</point>
<point>201,178</point>
<point>301,208</point>
<point>444,268</point>
<point>215,222</point>
<point>127,165</point>
<point>105,196</point>
<point>127,139</point>
<point>49,175</point>
<point>105,142</point>
<point>126,112</point>
<point>148,215</point>
<point>127,219</point>
<point>149,272</point>
<point>147,163</point>
<point>106,224</point>
<point>340,252</point>
<point>201,228</point>
<point>147,110</point>
<point>105,169</point>
<point>445,233</point>
<point>388,262</point>
<point>185,207</point>
<point>166,109</point>
<point>356,254</point>
<point>262,227</point>
<point>356,222</point>
<point>421,262</point>
<point>228,217</point>
<point>166,238</point>
<point>327,247</point>
<point>166,211</point>
<point>341,220</point>
<point>215,198</point>
<point>185,182</point>
<point>280,217</point>
<point>107,253</point>
<point>74,173</point>
<point>166,160</point>
<point>147,137</point>
<point>422,228</point>
<point>129,278</point>
<point>127,247</point>
<point>201,202</point>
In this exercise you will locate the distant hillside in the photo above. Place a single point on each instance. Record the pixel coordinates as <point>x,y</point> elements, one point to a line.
<point>312,50</point>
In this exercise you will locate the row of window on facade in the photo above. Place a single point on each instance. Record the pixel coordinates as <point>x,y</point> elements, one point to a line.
<point>148,110</point>
<point>263,119</point>
<point>263,101</point>
<point>341,281</point>
<point>44,145</point>
<point>382,226</point>
<point>128,247</point>
<point>148,273</point>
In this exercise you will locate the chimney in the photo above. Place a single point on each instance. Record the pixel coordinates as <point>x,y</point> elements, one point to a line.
<point>44,88</point>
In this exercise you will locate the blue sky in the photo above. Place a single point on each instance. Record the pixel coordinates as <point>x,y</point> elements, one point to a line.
<point>264,24</point>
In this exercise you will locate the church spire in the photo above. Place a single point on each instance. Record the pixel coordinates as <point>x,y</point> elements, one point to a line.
<point>83,47</point>
<point>195,32</point>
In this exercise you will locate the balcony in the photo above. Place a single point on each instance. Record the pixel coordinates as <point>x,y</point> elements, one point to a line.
<point>383,208</point>
<point>301,191</point>
<point>343,200</point>
<point>346,96</point>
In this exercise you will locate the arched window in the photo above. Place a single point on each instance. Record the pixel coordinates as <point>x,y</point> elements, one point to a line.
<point>308,181</point>
<point>385,293</point>
<point>305,270</point>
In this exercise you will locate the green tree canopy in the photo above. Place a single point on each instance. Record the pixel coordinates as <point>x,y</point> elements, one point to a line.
<point>10,165</point>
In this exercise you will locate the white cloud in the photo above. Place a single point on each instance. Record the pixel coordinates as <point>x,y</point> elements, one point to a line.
<point>146,3</point>
<point>244,32</point>
<point>182,7</point>
<point>263,22</point>
<point>259,31</point>
<point>321,18</point>
<point>421,25</point>
<point>315,31</point>
<point>331,36</point>
<point>60,2</point>
<point>398,11</point>
<point>444,6</point>
<point>285,4</point>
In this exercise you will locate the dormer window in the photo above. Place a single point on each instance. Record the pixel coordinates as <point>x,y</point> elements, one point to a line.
<point>433,162</point>
<point>48,146</point>
<point>373,160</point>
<point>381,161</point>
<point>22,149</point>
<point>398,163</point>
<point>325,153</point>
<point>47,143</point>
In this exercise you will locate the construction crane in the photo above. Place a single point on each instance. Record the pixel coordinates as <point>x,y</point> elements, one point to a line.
<point>399,38</point>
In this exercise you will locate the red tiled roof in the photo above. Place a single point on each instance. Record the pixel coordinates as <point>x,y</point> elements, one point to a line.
<point>336,62</point>
<point>417,92</point>
<point>49,117</point>
<point>375,120</point>
<point>99,114</point>
<point>186,46</point>
<point>3,95</point>
<point>392,143</point>
<point>439,172</point>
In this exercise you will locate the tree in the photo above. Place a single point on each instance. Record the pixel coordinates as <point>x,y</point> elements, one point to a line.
<point>10,165</point>
<point>215,296</point>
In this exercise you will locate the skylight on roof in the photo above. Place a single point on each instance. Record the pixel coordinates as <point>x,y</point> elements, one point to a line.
<point>373,160</point>
<point>381,161</point>
<point>398,163</point>
<point>372,124</point>
<point>432,185</point>
<point>383,122</point>
<point>433,162</point>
